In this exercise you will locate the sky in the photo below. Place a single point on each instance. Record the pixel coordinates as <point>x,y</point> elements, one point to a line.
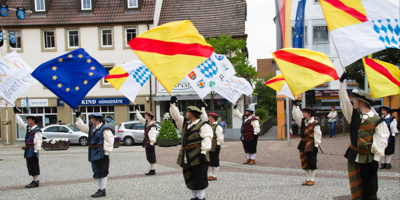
<point>260,28</point>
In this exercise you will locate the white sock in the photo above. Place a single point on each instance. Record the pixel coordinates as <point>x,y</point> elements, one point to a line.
<point>383,159</point>
<point>212,171</point>
<point>153,166</point>
<point>216,169</point>
<point>248,156</point>
<point>253,156</point>
<point>194,194</point>
<point>312,174</point>
<point>307,174</point>
<point>36,178</point>
<point>388,158</point>
<point>103,183</point>
<point>201,194</point>
<point>98,181</point>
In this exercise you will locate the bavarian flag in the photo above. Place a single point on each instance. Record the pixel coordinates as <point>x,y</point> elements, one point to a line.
<point>129,78</point>
<point>304,69</point>
<point>383,78</point>
<point>171,51</point>
<point>279,84</point>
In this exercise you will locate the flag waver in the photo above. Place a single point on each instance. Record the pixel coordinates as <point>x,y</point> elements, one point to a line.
<point>279,84</point>
<point>304,69</point>
<point>362,27</point>
<point>383,78</point>
<point>171,51</point>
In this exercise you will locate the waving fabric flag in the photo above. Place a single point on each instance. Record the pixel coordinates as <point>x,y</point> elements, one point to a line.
<point>129,78</point>
<point>15,77</point>
<point>70,76</point>
<point>383,78</point>
<point>298,34</point>
<point>171,51</point>
<point>304,69</point>
<point>362,27</point>
<point>279,84</point>
<point>283,10</point>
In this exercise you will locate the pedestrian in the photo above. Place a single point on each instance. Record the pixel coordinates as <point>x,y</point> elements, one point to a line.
<point>392,126</point>
<point>217,140</point>
<point>101,143</point>
<point>311,136</point>
<point>368,137</point>
<point>249,133</point>
<point>222,123</point>
<point>33,143</point>
<point>196,142</point>
<point>60,122</point>
<point>332,121</point>
<point>150,133</point>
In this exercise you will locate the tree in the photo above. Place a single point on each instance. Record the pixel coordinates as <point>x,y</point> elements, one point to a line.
<point>266,96</point>
<point>357,70</point>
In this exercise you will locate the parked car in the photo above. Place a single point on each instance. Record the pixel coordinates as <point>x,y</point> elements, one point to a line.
<point>68,131</point>
<point>133,132</point>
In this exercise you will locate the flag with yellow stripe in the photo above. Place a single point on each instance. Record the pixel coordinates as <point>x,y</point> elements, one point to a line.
<point>129,78</point>
<point>171,51</point>
<point>279,84</point>
<point>304,69</point>
<point>383,78</point>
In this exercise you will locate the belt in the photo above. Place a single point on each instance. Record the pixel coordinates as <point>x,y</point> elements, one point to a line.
<point>95,146</point>
<point>27,146</point>
<point>190,146</point>
<point>307,139</point>
<point>366,151</point>
<point>214,140</point>
<point>248,133</point>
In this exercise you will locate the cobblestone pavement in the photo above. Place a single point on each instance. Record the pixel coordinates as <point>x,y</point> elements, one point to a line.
<point>276,175</point>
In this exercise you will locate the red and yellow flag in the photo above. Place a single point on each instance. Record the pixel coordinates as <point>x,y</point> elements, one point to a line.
<point>383,78</point>
<point>276,82</point>
<point>304,69</point>
<point>171,51</point>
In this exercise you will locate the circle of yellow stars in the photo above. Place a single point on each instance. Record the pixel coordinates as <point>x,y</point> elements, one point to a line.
<point>85,82</point>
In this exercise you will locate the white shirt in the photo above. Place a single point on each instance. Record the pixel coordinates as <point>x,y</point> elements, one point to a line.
<point>153,130</point>
<point>298,116</point>
<point>254,123</point>
<point>218,130</point>
<point>381,135</point>
<point>332,114</point>
<point>205,131</point>
<point>107,135</point>
<point>37,141</point>
<point>393,125</point>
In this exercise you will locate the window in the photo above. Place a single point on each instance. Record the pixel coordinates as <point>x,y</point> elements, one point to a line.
<point>46,115</point>
<point>106,37</point>
<point>63,129</point>
<point>48,40</point>
<point>86,4</point>
<point>320,35</point>
<point>18,41</point>
<point>51,129</point>
<point>73,39</point>
<point>132,3</point>
<point>108,68</point>
<point>39,6</point>
<point>130,33</point>
<point>132,111</point>
<point>106,111</point>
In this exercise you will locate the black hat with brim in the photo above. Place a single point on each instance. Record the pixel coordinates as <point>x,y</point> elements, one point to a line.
<point>310,110</point>
<point>36,119</point>
<point>364,97</point>
<point>96,115</point>
<point>386,108</point>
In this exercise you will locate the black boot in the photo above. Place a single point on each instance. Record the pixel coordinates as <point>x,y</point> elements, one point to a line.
<point>99,193</point>
<point>151,172</point>
<point>32,184</point>
<point>389,166</point>
<point>383,166</point>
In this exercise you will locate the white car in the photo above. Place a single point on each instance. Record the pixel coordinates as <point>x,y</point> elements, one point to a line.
<point>133,132</point>
<point>68,131</point>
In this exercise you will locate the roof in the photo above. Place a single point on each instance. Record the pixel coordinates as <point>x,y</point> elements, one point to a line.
<point>210,17</point>
<point>62,12</point>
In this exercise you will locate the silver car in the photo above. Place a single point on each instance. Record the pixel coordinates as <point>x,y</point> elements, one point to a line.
<point>133,132</point>
<point>71,132</point>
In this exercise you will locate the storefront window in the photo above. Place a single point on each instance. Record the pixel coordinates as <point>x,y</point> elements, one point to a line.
<point>47,116</point>
<point>132,111</point>
<point>106,111</point>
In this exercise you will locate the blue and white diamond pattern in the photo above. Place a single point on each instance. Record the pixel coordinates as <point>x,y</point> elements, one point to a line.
<point>389,32</point>
<point>208,68</point>
<point>141,75</point>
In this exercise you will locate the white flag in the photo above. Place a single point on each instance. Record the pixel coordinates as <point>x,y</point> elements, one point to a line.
<point>15,77</point>
<point>233,87</point>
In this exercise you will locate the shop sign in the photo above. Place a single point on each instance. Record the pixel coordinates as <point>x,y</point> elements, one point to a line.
<point>105,101</point>
<point>35,103</point>
<point>182,87</point>
<point>329,93</point>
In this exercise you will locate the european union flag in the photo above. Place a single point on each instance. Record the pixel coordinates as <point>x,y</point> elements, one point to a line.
<point>299,26</point>
<point>70,76</point>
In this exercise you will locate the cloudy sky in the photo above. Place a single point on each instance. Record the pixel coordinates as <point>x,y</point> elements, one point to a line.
<point>260,29</point>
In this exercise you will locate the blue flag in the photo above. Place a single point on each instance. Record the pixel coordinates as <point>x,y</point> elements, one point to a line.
<point>70,76</point>
<point>298,34</point>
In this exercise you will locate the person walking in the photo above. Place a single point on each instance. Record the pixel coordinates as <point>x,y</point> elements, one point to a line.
<point>33,144</point>
<point>392,126</point>
<point>368,137</point>
<point>311,136</point>
<point>332,121</point>
<point>101,143</point>
<point>150,133</point>
<point>249,130</point>
<point>195,143</point>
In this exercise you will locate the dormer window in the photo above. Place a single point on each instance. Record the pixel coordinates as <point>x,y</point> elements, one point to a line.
<point>132,3</point>
<point>86,4</point>
<point>40,6</point>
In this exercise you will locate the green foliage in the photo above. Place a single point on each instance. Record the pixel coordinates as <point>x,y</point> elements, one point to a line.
<point>266,96</point>
<point>232,48</point>
<point>357,71</point>
<point>167,131</point>
<point>262,113</point>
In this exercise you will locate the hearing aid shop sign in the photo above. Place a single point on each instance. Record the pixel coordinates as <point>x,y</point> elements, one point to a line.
<point>104,101</point>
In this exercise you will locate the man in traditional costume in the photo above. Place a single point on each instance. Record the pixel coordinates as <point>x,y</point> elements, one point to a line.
<point>392,126</point>
<point>150,133</point>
